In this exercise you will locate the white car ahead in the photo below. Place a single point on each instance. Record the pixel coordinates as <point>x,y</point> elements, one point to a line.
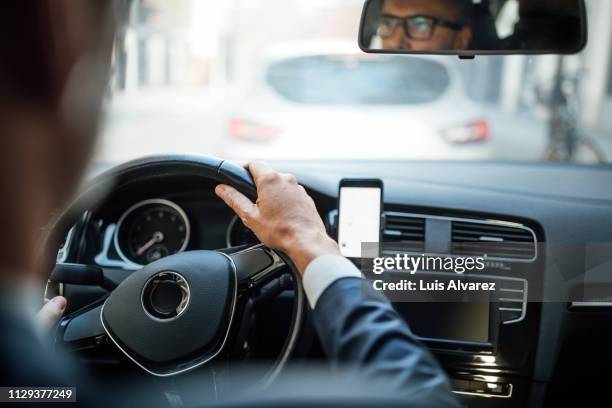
<point>337,102</point>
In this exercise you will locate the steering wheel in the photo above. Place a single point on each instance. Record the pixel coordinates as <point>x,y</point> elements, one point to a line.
<point>178,313</point>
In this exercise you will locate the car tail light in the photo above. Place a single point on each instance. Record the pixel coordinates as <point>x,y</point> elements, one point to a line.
<point>249,130</point>
<point>478,131</point>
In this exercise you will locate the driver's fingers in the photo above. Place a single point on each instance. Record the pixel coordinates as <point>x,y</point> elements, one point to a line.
<point>260,172</point>
<point>51,312</point>
<point>236,201</point>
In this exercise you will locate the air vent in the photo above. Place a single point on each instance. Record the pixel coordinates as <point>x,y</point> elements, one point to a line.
<point>496,241</point>
<point>403,234</point>
<point>512,300</point>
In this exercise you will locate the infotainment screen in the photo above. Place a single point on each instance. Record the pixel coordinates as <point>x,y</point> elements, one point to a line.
<point>468,322</point>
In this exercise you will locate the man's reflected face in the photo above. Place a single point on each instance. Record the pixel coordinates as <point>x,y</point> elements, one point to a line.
<point>431,25</point>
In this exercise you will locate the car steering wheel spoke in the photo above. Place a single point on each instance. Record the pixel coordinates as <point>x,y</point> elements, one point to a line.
<point>82,330</point>
<point>256,266</point>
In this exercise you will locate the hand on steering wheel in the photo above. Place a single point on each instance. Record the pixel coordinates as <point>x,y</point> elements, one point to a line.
<point>51,312</point>
<point>284,217</point>
<point>186,310</point>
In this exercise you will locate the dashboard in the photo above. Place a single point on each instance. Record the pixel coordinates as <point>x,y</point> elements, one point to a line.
<point>537,210</point>
<point>146,223</point>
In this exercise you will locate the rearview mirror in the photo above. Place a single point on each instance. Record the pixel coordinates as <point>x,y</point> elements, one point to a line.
<point>473,27</point>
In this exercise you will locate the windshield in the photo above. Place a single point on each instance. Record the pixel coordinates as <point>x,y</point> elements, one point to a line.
<point>284,79</point>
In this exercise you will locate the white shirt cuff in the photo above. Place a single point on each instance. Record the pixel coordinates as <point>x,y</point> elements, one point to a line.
<point>323,271</point>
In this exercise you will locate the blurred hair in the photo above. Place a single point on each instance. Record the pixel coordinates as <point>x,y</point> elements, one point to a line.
<point>34,64</point>
<point>56,57</point>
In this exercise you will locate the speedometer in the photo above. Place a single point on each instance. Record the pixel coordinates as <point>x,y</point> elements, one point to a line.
<point>151,230</point>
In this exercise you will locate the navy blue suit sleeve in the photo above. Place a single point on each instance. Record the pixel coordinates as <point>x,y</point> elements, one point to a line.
<point>28,362</point>
<point>359,328</point>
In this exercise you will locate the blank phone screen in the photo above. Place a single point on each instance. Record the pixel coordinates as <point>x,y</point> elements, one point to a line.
<point>359,219</point>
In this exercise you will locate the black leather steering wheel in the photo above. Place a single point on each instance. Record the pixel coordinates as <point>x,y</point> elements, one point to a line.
<point>177,313</point>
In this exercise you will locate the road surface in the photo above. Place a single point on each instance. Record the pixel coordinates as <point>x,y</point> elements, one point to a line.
<point>194,121</point>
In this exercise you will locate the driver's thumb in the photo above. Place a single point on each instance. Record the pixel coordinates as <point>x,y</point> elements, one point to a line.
<point>51,312</point>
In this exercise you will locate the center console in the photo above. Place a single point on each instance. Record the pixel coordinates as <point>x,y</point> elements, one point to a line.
<point>486,345</point>
<point>485,339</point>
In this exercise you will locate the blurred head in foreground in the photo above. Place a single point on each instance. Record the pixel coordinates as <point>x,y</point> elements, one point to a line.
<point>56,58</point>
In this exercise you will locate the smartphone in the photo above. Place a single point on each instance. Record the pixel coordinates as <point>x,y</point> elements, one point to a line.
<point>360,209</point>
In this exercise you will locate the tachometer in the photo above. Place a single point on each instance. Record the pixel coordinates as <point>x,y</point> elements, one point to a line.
<point>238,234</point>
<point>151,230</point>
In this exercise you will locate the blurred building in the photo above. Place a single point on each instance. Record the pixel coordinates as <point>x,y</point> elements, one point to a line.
<point>155,49</point>
<point>597,59</point>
